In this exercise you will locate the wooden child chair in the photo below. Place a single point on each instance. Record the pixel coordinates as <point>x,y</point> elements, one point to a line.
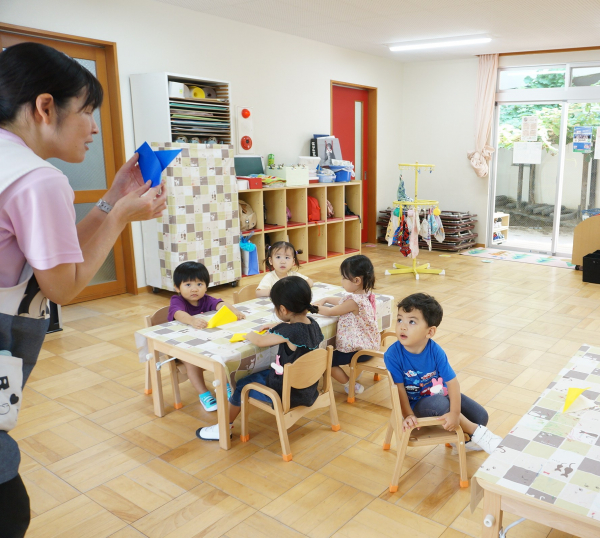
<point>304,372</point>
<point>430,433</point>
<point>245,294</point>
<point>376,365</point>
<point>176,367</point>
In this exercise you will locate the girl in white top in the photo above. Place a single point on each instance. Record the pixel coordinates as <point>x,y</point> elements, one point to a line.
<point>357,326</point>
<point>281,261</point>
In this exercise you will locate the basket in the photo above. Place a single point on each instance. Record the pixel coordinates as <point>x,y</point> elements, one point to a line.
<point>342,176</point>
<point>326,178</point>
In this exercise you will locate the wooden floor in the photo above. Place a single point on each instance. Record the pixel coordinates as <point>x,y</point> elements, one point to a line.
<point>97,462</point>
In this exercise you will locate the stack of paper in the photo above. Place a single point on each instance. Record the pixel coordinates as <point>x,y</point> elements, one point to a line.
<point>202,117</point>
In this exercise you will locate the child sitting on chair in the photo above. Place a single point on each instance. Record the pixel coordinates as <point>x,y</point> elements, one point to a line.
<point>281,261</point>
<point>296,335</point>
<point>426,383</point>
<point>191,280</point>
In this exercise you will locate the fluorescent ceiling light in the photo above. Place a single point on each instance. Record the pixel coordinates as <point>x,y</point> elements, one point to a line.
<point>439,43</point>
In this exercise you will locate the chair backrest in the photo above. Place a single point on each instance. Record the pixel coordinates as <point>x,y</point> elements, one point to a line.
<point>245,294</point>
<point>306,371</point>
<point>159,317</point>
<point>387,339</point>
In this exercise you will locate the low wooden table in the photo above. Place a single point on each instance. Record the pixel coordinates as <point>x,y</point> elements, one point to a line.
<point>211,349</point>
<point>547,469</point>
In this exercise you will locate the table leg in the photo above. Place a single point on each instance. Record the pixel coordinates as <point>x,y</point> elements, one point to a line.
<point>155,379</point>
<point>222,406</point>
<point>492,514</point>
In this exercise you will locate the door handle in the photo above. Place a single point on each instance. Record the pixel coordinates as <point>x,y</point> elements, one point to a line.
<point>365,175</point>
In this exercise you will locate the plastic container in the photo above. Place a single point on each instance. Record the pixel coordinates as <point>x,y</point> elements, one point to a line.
<point>343,176</point>
<point>323,178</point>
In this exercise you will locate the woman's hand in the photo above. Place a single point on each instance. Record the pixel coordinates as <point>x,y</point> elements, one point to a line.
<point>143,203</point>
<point>127,179</point>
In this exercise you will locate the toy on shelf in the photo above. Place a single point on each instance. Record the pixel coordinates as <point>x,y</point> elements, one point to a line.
<point>408,239</point>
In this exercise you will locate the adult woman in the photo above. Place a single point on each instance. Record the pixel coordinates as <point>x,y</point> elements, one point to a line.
<point>46,105</point>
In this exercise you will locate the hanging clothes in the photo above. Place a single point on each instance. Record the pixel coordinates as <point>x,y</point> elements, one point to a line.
<point>413,228</point>
<point>403,237</point>
<point>425,230</point>
<point>393,225</point>
<point>440,235</point>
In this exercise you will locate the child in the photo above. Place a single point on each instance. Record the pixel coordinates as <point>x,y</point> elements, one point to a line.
<point>426,383</point>
<point>280,260</point>
<point>296,336</point>
<point>357,326</point>
<point>191,280</point>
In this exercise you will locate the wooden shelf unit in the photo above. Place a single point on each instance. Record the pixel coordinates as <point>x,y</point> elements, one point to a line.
<point>327,238</point>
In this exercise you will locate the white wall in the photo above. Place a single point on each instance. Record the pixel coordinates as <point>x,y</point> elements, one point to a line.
<point>285,78</point>
<point>438,116</point>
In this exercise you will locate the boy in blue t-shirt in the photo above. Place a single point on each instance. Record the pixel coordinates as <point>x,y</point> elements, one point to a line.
<point>426,382</point>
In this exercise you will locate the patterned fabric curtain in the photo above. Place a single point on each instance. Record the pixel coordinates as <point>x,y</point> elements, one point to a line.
<point>484,113</point>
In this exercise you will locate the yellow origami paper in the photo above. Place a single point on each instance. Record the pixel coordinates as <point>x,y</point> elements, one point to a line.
<point>572,395</point>
<point>222,317</point>
<point>239,337</point>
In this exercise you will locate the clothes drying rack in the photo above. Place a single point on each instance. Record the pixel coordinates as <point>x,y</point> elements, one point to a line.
<point>416,204</point>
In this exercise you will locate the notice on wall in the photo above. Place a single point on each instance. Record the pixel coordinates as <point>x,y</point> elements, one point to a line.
<point>527,153</point>
<point>582,139</point>
<point>597,150</point>
<point>529,129</point>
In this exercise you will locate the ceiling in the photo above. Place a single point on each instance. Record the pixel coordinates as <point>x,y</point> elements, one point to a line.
<point>369,25</point>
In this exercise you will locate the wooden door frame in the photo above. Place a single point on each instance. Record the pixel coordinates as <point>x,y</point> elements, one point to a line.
<point>371,164</point>
<point>112,74</point>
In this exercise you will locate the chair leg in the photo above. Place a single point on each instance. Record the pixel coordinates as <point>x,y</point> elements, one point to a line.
<point>387,442</point>
<point>245,436</point>
<point>462,459</point>
<point>351,383</point>
<point>175,384</point>
<point>283,435</point>
<point>148,382</point>
<point>402,444</point>
<point>335,423</point>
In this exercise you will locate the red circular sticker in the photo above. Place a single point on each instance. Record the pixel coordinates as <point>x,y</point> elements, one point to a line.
<point>245,113</point>
<point>246,142</point>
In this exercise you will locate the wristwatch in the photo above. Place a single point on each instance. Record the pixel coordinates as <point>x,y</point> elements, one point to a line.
<point>104,205</point>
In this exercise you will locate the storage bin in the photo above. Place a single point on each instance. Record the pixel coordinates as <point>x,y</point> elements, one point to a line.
<point>326,179</point>
<point>253,182</point>
<point>591,268</point>
<point>342,176</point>
<point>243,184</point>
<point>293,176</point>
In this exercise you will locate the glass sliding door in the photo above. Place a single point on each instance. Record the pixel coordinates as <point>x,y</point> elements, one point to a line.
<point>579,190</point>
<point>527,166</point>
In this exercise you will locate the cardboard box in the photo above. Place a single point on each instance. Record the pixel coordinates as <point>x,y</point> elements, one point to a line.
<point>293,176</point>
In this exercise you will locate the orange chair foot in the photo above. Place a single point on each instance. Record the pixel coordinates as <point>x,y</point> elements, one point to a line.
<point>393,489</point>
<point>386,446</point>
<point>376,377</point>
<point>464,483</point>
<point>147,391</point>
<point>287,457</point>
<point>350,400</point>
<point>335,427</point>
<point>178,406</point>
<point>448,445</point>
<point>245,438</point>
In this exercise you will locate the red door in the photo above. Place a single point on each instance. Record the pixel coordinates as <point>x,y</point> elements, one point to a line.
<point>350,114</point>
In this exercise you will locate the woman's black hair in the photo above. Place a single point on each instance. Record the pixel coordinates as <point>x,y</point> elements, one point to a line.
<point>359,266</point>
<point>30,69</point>
<point>294,293</point>
<point>280,245</point>
<point>190,272</point>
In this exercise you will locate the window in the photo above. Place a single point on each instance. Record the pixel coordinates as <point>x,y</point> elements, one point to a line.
<point>585,76</point>
<point>524,78</point>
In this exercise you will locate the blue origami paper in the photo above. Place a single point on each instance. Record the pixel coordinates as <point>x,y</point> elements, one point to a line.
<point>152,163</point>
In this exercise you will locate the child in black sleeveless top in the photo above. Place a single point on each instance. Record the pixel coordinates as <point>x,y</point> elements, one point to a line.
<point>296,336</point>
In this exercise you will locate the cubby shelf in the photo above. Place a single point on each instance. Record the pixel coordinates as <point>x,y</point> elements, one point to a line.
<point>339,235</point>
